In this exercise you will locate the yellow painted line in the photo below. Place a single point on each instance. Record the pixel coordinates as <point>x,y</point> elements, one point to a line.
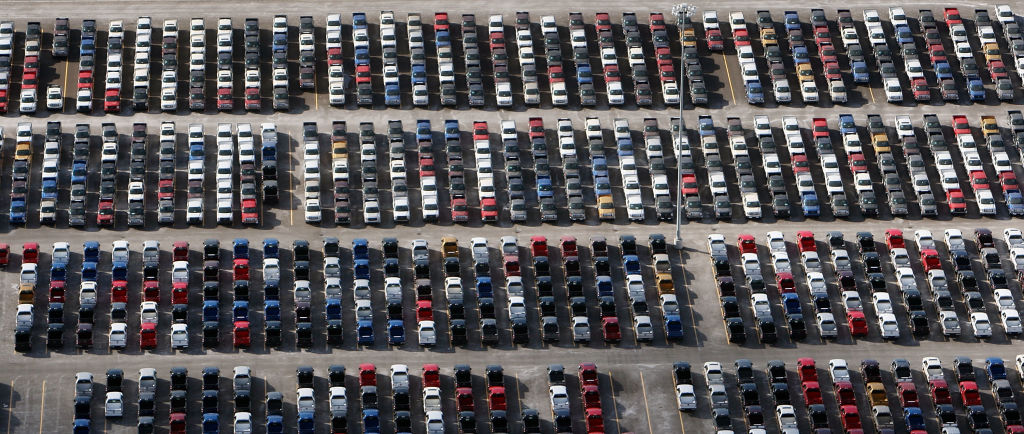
<point>615,405</point>
<point>42,407</point>
<point>732,91</point>
<point>10,408</point>
<point>871,91</point>
<point>291,194</point>
<point>316,95</point>
<point>519,393</point>
<point>647,409</point>
<point>63,88</point>
<point>682,428</point>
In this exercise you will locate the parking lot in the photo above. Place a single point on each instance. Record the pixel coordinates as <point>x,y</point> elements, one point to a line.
<point>636,385</point>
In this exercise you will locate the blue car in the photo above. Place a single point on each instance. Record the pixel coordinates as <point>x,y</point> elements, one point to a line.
<point>604,286</point>
<point>80,426</point>
<point>943,71</point>
<point>88,271</point>
<point>269,151</point>
<point>754,92</point>
<point>271,248</point>
<point>272,310</point>
<point>1015,202</point>
<point>119,271</point>
<point>483,287</point>
<point>423,130</point>
<point>860,72</point>
<point>544,188</point>
<point>79,171</point>
<point>241,248</point>
<point>306,423</point>
<point>792,20</point>
<point>196,153</point>
<point>914,418</point>
<point>599,167</point>
<point>211,311</point>
<point>396,332</point>
<point>49,189</point>
<point>800,55</point>
<point>280,42</point>
<point>17,211</point>
<point>211,423</point>
<point>364,328</point>
<point>847,124</point>
<point>91,251</point>
<point>706,126</point>
<point>419,74</point>
<point>371,420</point>
<point>602,186</point>
<point>583,73</point>
<point>791,303</point>
<point>995,368</point>
<point>362,56</point>
<point>624,147</point>
<point>975,89</point>
<point>240,311</point>
<point>275,424</point>
<point>631,264</point>
<point>360,249</point>
<point>673,327</point>
<point>58,273</point>
<point>358,20</point>
<point>87,47</point>
<point>451,130</point>
<point>392,95</point>
<point>333,309</point>
<point>903,35</point>
<point>809,203</point>
<point>361,268</point>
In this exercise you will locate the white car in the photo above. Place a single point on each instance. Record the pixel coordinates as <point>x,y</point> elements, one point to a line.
<point>427,333</point>
<point>1004,299</point>
<point>179,336</point>
<point>827,325</point>
<point>786,416</point>
<point>882,302</point>
<point>762,307</point>
<point>113,406</point>
<point>780,260</point>
<point>338,400</point>
<point>559,397</point>
<point>981,325</point>
<point>924,239</point>
<point>932,367</point>
<point>686,398</point>
<point>838,370</point>
<point>580,329</point>
<point>852,301</point>
<point>431,399</point>
<point>243,423</point>
<point>1011,321</point>
<point>54,97</point>
<point>118,337</point>
<point>713,373</point>
<point>986,202</point>
<point>776,242</point>
<point>949,322</point>
<point>888,326</point>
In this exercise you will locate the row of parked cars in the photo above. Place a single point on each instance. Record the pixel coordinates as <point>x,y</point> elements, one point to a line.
<point>960,292</point>
<point>841,375</point>
<point>398,379</point>
<point>456,287</point>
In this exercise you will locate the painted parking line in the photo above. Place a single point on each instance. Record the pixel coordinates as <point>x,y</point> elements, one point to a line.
<point>10,405</point>
<point>615,405</point>
<point>647,409</point>
<point>291,193</point>
<point>728,76</point>
<point>42,406</point>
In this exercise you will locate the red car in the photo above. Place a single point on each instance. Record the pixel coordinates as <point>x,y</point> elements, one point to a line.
<point>595,421</point>
<point>690,186</point>
<point>978,180</point>
<point>800,163</point>
<point>252,98</point>
<point>177,423</point>
<point>602,22</point>
<point>1008,182</point>
<point>441,21</point>
<point>832,71</point>
<point>920,87</point>
<point>805,241</point>
<point>85,79</point>
<point>431,375</point>
<point>806,370</point>
<point>57,291</point>
<point>240,334</point>
<point>147,336</point>
<point>894,239</point>
<point>969,393</point>
<point>536,128</point>
<point>180,251</point>
<point>105,214</point>
<point>464,399</point>
<point>844,393</point>
<point>740,37</point>
<point>952,16</point>
<point>30,253</point>
<point>908,394</point>
<point>151,291</point>
<point>591,396</point>
<point>179,293</point>
<point>822,36</point>
<point>112,101</point>
<point>956,201</point>
<point>511,265</point>
<point>555,75</point>
<point>334,56</point>
<point>426,165</point>
<point>960,125</point>
<point>538,246</point>
<point>587,373</point>
<point>664,56</point>
<point>858,324</point>
<point>850,417</point>
<point>489,209</point>
<point>858,164</point>
<point>715,40</point>
<point>367,375</point>
<point>424,310</point>
<point>940,392</point>
<point>568,246</point>
<point>460,211</point>
<point>224,101</point>
<point>240,269</point>
<point>363,73</point>
<point>249,214</point>
<point>827,53</point>
<point>119,291</point>
<point>610,327</point>
<point>657,21</point>
<point>480,130</point>
<point>812,392</point>
<point>496,398</point>
<point>819,128</point>
<point>746,243</point>
<point>611,73</point>
<point>936,53</point>
<point>930,260</point>
<point>785,282</point>
<point>5,254</point>
<point>997,70</point>
<point>166,189</point>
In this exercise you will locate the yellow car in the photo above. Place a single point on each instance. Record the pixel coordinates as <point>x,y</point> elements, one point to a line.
<point>989,126</point>
<point>881,143</point>
<point>449,246</point>
<point>804,72</point>
<point>769,37</point>
<point>689,38</point>
<point>340,149</point>
<point>605,207</point>
<point>26,294</point>
<point>23,151</point>
<point>876,394</point>
<point>665,284</point>
<point>991,52</point>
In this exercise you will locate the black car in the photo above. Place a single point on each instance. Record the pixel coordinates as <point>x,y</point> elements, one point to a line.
<point>797,327</point>
<point>681,373</point>
<point>211,401</point>
<point>531,421</point>
<point>179,378</point>
<point>780,392</point>
<point>735,331</point>
<point>467,422</point>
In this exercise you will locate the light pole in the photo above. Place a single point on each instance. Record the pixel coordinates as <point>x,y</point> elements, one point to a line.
<point>683,12</point>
